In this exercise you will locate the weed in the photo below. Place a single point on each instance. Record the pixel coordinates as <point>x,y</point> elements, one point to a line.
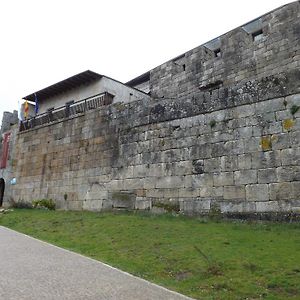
<point>294,109</point>
<point>213,267</point>
<point>44,203</point>
<point>169,207</point>
<point>215,212</point>
<point>212,123</point>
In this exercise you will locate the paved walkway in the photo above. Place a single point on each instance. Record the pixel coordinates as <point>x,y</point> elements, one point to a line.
<point>31,269</point>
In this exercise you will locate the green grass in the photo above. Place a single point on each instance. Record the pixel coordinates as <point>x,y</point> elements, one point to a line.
<point>202,259</point>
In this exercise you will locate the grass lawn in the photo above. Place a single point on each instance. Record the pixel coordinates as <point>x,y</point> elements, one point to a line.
<point>199,258</point>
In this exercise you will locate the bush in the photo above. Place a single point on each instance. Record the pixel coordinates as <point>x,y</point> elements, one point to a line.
<point>44,203</point>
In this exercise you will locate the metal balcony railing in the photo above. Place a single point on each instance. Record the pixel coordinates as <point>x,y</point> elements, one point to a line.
<point>70,109</point>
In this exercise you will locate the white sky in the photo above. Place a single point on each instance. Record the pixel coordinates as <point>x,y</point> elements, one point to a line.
<point>43,42</point>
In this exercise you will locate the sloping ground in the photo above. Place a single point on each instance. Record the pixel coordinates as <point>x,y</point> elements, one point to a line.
<point>199,258</point>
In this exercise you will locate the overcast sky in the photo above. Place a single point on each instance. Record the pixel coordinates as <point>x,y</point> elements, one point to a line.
<point>43,42</point>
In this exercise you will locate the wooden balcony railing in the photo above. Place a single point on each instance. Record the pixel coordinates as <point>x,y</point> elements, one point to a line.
<point>67,111</point>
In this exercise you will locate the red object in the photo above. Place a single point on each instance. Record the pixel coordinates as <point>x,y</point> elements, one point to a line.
<point>4,156</point>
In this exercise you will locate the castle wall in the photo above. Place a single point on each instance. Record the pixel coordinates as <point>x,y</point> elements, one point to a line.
<point>242,58</point>
<point>233,157</point>
<point>218,133</point>
<point>8,120</point>
<point>7,173</point>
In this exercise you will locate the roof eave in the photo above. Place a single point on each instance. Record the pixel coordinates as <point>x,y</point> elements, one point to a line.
<point>66,84</point>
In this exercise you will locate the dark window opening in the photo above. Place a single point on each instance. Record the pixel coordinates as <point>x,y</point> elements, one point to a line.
<point>217,52</point>
<point>257,35</point>
<point>183,66</point>
<point>211,86</point>
<point>2,187</point>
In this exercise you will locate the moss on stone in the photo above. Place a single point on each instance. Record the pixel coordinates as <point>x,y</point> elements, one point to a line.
<point>169,207</point>
<point>288,124</point>
<point>266,143</point>
<point>126,197</point>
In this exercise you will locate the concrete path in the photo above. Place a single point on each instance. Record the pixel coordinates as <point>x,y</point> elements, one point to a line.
<point>32,269</point>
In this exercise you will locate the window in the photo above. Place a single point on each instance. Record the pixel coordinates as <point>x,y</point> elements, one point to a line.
<point>257,35</point>
<point>217,52</point>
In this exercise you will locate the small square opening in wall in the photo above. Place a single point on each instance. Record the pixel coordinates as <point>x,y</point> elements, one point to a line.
<point>217,52</point>
<point>257,35</point>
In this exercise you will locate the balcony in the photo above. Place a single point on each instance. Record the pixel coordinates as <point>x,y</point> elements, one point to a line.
<point>71,109</point>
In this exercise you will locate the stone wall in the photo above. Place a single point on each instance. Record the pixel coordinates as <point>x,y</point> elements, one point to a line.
<point>220,133</point>
<point>8,173</point>
<point>145,154</point>
<point>241,57</point>
<point>9,124</point>
<point>8,120</point>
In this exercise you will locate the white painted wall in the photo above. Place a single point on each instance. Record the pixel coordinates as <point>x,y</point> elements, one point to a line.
<point>121,92</point>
